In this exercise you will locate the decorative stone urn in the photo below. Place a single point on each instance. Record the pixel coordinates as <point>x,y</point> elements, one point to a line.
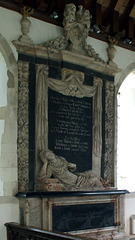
<point>111,50</point>
<point>25,25</point>
<point>111,53</point>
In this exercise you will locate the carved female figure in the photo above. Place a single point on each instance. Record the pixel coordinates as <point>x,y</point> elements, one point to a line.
<point>62,170</point>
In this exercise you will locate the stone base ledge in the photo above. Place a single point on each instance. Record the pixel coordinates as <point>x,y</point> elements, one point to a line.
<point>8,200</point>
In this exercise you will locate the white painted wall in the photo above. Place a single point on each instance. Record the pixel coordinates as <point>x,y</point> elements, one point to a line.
<point>3,82</point>
<point>126,102</point>
<point>9,212</point>
<point>41,32</point>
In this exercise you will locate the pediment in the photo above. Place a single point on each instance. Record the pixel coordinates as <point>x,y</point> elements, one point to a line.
<point>72,46</point>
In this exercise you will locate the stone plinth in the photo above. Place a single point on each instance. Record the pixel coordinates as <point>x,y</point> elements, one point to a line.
<point>88,215</point>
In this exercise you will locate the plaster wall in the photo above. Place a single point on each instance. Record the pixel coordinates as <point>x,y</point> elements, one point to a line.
<point>39,32</point>
<point>9,212</point>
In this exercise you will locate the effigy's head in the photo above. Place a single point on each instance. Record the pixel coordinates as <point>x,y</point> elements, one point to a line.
<point>46,155</point>
<point>49,155</point>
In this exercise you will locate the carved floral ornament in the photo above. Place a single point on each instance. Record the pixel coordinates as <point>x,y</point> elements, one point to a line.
<point>23,123</point>
<point>76,29</point>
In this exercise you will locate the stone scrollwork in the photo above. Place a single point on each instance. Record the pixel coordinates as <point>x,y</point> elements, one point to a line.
<point>23,124</point>
<point>58,43</point>
<point>76,29</point>
<point>109,132</point>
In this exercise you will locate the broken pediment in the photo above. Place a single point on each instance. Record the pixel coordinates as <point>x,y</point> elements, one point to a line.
<point>76,30</point>
<point>72,46</point>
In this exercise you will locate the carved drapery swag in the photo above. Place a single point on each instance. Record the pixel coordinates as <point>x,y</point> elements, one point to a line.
<point>71,84</point>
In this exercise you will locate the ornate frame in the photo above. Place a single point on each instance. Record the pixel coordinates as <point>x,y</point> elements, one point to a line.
<point>71,84</point>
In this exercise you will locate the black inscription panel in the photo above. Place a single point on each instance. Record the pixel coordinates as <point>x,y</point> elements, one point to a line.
<point>82,217</point>
<point>70,128</point>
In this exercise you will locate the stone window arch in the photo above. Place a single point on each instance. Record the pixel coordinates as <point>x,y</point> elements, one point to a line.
<point>125,92</point>
<point>8,121</point>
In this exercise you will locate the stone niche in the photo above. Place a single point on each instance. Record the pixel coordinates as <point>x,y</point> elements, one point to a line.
<point>66,104</point>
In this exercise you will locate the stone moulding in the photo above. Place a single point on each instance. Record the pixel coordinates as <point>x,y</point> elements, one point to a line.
<point>49,52</point>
